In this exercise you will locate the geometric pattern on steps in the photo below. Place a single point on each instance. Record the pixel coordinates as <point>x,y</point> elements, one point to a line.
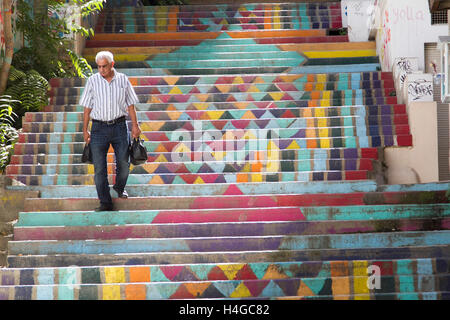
<point>306,82</point>
<point>222,17</point>
<point>246,87</point>
<point>352,288</point>
<point>356,97</point>
<point>319,155</point>
<point>207,178</point>
<point>325,110</point>
<point>225,271</point>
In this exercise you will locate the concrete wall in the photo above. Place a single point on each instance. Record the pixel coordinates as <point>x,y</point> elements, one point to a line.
<point>419,163</point>
<point>401,28</point>
<point>11,203</point>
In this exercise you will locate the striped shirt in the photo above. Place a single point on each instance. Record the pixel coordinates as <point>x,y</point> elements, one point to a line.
<point>108,100</point>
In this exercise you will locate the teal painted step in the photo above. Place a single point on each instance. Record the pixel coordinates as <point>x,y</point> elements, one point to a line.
<point>351,241</point>
<point>408,285</point>
<point>366,212</point>
<point>328,187</point>
<point>219,189</point>
<point>260,270</point>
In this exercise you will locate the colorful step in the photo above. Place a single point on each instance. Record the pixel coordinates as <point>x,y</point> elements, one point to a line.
<point>234,289</point>
<point>302,108</point>
<point>227,271</point>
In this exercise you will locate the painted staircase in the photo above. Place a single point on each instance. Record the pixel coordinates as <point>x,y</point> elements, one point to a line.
<point>265,129</point>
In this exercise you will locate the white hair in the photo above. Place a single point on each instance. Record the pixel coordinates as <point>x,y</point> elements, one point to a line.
<point>104,55</point>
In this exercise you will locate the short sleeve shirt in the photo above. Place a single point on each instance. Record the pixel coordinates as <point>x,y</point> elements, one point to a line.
<point>108,100</point>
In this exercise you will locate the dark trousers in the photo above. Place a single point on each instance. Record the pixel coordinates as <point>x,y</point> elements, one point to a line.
<point>102,136</point>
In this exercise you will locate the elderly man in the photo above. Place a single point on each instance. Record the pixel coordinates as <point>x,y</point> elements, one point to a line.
<point>108,98</point>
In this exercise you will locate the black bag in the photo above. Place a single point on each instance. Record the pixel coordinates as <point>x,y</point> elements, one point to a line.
<point>138,152</point>
<point>87,154</point>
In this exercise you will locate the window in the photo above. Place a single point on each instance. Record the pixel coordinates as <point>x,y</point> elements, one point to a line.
<point>439,17</point>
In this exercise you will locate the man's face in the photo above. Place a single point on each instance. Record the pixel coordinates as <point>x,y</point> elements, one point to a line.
<point>104,67</point>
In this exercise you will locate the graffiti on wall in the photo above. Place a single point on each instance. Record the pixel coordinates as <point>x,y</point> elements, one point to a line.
<point>420,87</point>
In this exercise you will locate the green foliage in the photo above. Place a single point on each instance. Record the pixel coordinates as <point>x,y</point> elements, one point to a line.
<point>82,68</point>
<point>48,32</point>
<point>8,134</point>
<point>28,90</point>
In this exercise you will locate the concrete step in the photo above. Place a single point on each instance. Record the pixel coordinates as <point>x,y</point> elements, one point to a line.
<point>345,77</point>
<point>227,244</point>
<point>377,296</point>
<point>215,106</point>
<point>162,42</point>
<point>240,35</point>
<point>241,201</point>
<point>208,64</point>
<point>228,288</point>
<point>243,87</point>
<point>255,8</point>
<point>268,147</point>
<point>239,132</point>
<point>292,154</point>
<point>216,272</point>
<point>118,24</point>
<point>199,167</point>
<point>333,116</point>
<point>238,15</point>
<point>146,24</point>
<point>224,229</point>
<point>313,69</point>
<point>134,52</point>
<point>358,95</point>
<point>322,213</point>
<point>225,124</point>
<point>274,188</point>
<point>104,259</point>
<point>198,101</point>
<point>200,178</point>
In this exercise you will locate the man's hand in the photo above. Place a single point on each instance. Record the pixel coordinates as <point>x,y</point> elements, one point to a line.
<point>135,131</point>
<point>87,136</point>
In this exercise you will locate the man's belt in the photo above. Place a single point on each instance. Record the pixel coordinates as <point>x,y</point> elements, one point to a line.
<point>110,122</point>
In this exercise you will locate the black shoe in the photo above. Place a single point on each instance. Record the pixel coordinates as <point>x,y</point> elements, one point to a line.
<point>105,207</point>
<point>123,194</point>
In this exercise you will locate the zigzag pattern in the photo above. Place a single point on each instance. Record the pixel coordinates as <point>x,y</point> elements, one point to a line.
<point>215,18</point>
<point>231,97</point>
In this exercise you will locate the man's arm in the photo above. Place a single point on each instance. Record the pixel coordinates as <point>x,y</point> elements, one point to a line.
<point>86,119</point>
<point>135,129</point>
